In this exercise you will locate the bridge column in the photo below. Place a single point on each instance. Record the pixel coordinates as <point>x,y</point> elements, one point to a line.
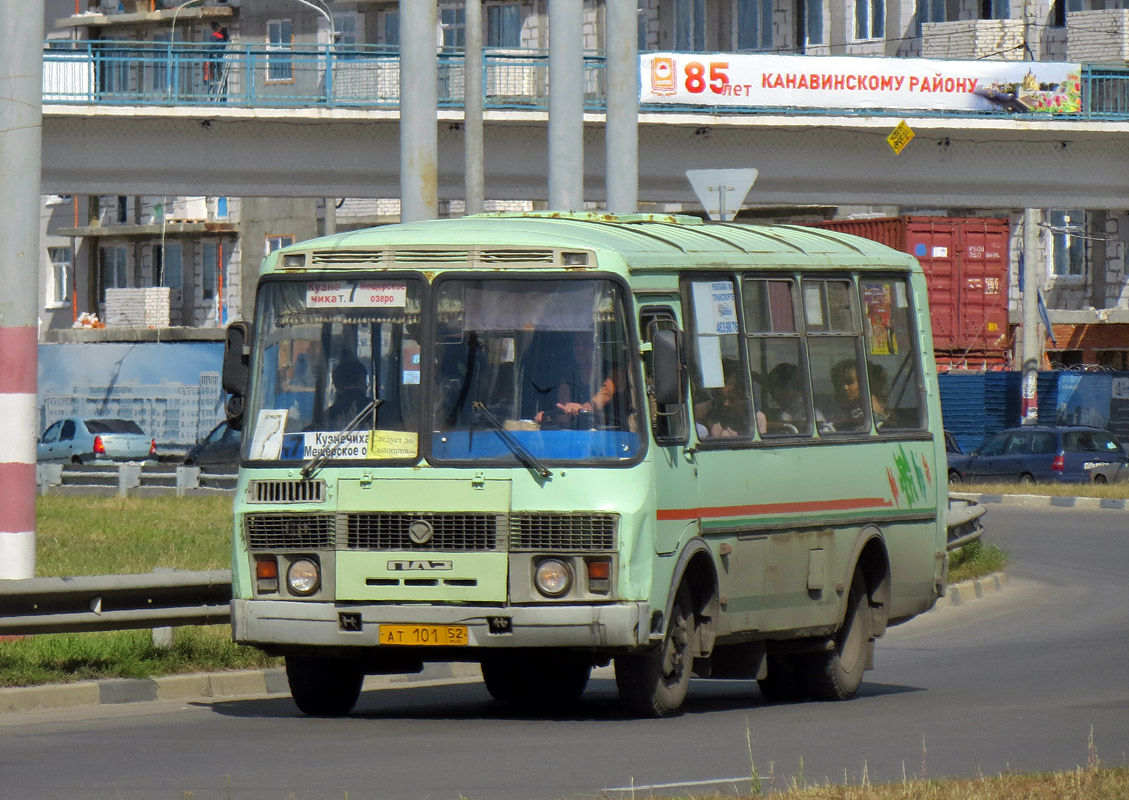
<point>21,126</point>
<point>419,101</point>
<point>566,105</point>
<point>622,129</point>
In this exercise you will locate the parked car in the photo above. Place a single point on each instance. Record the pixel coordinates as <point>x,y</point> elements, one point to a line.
<point>1029,453</point>
<point>218,451</point>
<point>92,440</point>
<point>952,450</point>
<point>1109,473</point>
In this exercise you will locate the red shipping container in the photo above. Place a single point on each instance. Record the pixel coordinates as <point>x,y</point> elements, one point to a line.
<point>966,267</point>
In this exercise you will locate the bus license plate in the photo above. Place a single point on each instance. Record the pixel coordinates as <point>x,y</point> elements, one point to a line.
<point>437,635</point>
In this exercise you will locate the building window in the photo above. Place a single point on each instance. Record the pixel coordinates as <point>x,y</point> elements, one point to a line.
<point>810,26</point>
<point>280,42</point>
<point>1068,243</point>
<point>345,26</point>
<point>690,25</point>
<point>278,242</point>
<point>60,274</point>
<point>389,24</point>
<point>929,11</point>
<point>452,26</point>
<point>995,9</point>
<point>210,268</point>
<point>168,261</point>
<point>503,25</point>
<point>113,270</point>
<point>122,209</point>
<point>870,19</point>
<point>754,25</point>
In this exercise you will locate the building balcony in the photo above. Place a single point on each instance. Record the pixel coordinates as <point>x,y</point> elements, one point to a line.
<point>1000,39</point>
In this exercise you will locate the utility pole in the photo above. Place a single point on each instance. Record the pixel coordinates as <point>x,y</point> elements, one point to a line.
<point>566,105</point>
<point>1032,351</point>
<point>473,153</point>
<point>419,101</point>
<point>621,43</point>
<point>21,128</point>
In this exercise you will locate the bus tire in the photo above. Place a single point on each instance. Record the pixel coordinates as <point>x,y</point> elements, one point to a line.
<point>837,674</point>
<point>534,677</point>
<point>784,682</point>
<point>324,687</point>
<point>654,683</point>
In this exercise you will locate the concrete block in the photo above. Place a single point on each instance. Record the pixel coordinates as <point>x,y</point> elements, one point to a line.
<point>126,690</point>
<point>63,695</point>
<point>227,684</point>
<point>176,687</point>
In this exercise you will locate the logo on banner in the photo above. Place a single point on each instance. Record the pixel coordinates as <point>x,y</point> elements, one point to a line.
<point>663,79</point>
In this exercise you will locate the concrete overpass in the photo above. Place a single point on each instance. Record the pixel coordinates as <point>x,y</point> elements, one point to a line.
<point>970,162</point>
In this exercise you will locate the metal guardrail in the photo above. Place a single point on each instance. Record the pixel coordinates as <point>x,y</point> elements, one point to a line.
<point>965,526</point>
<point>115,602</point>
<point>368,76</point>
<point>131,479</point>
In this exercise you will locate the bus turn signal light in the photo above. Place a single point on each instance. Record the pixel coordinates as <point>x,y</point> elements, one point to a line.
<point>600,576</point>
<point>266,574</point>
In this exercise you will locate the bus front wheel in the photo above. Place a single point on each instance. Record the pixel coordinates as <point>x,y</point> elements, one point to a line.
<point>836,674</point>
<point>654,683</point>
<point>324,687</point>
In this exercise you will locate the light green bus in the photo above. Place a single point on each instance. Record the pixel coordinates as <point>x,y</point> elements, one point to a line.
<point>546,442</point>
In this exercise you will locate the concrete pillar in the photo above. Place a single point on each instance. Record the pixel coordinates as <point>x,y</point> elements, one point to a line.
<point>473,152</point>
<point>419,102</point>
<point>21,118</point>
<point>622,131</point>
<point>1032,353</point>
<point>566,105</point>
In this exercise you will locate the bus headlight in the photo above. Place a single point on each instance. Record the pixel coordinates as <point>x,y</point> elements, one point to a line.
<point>553,577</point>
<point>303,577</point>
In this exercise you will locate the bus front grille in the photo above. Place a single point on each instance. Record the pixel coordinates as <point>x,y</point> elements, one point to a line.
<point>562,532</point>
<point>289,531</point>
<point>286,492</point>
<point>392,531</point>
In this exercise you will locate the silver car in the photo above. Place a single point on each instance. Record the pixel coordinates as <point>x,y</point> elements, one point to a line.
<point>92,440</point>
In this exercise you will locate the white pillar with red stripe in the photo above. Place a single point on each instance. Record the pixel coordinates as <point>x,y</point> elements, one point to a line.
<point>21,119</point>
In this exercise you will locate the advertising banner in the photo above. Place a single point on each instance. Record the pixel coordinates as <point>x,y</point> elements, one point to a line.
<point>854,82</point>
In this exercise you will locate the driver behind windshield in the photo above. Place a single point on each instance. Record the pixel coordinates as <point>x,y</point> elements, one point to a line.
<point>351,394</point>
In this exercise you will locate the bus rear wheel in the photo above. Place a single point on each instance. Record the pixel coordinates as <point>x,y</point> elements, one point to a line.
<point>654,683</point>
<point>324,687</point>
<point>837,674</point>
<point>518,677</point>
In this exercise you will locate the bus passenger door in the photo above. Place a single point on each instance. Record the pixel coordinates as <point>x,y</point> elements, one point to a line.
<point>724,428</point>
<point>674,482</point>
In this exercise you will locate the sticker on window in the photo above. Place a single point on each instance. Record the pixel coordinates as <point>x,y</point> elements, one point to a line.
<point>355,294</point>
<point>267,441</point>
<point>379,444</point>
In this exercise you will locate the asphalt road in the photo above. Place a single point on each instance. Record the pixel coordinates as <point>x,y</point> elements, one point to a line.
<point>1017,680</point>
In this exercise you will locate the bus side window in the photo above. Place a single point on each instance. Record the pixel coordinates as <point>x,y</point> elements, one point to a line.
<point>669,422</point>
<point>840,378</point>
<point>889,340</point>
<point>776,356</point>
<point>717,372</point>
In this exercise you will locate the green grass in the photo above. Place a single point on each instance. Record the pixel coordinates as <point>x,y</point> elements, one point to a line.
<point>974,560</point>
<point>1112,491</point>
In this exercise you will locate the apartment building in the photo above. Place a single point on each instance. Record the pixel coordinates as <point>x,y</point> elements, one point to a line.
<point>205,250</point>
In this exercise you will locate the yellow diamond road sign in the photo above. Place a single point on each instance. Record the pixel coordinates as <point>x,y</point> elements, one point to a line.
<point>900,137</point>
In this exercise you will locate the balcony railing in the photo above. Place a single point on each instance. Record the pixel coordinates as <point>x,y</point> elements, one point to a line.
<point>368,76</point>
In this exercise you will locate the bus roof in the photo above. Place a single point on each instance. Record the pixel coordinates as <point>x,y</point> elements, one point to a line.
<point>642,241</point>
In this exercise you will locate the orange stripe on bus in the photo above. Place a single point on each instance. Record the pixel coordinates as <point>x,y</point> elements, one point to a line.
<point>849,504</point>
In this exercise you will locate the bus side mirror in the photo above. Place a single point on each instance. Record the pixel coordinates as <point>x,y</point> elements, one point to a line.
<point>666,350</point>
<point>237,371</point>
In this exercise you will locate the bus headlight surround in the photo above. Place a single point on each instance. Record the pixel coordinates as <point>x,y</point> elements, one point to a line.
<point>303,577</point>
<point>553,577</point>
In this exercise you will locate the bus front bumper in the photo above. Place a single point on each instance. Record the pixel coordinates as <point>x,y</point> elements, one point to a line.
<point>293,623</point>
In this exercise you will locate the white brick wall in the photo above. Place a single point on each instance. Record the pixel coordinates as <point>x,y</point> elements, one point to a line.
<point>1098,35</point>
<point>138,308</point>
<point>998,39</point>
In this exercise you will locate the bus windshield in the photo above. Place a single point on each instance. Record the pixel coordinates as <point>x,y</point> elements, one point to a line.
<point>546,361</point>
<point>519,368</point>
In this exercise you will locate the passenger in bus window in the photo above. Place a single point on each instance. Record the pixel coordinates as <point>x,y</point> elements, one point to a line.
<point>786,391</point>
<point>845,379</point>
<point>351,394</point>
<point>724,412</point>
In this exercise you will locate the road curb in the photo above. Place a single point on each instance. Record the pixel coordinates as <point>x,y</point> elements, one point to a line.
<point>1044,501</point>
<point>959,594</point>
<point>195,686</point>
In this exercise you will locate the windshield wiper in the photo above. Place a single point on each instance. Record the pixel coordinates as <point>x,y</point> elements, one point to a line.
<point>527,458</point>
<point>315,463</point>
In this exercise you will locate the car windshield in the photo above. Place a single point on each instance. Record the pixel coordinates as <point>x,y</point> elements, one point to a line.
<point>519,368</point>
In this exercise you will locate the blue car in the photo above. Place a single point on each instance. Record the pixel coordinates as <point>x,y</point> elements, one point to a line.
<point>1044,453</point>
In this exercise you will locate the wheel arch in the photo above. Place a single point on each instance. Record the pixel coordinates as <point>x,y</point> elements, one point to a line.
<point>872,559</point>
<point>696,566</point>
